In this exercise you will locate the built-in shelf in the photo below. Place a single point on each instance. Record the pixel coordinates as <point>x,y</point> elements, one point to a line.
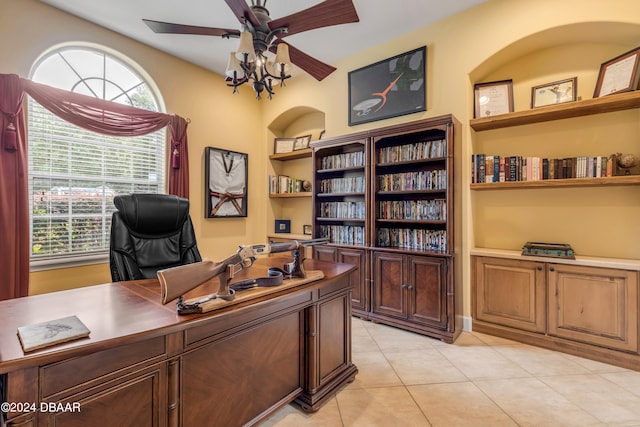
<point>587,107</point>
<point>290,195</point>
<point>558,183</point>
<point>297,154</point>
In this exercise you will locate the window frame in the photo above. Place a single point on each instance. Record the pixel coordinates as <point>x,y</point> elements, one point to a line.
<point>91,257</point>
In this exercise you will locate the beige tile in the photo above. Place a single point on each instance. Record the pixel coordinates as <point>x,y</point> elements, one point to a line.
<point>482,362</point>
<point>467,339</point>
<point>373,371</point>
<point>363,343</point>
<point>423,367</point>
<point>629,380</point>
<point>384,407</point>
<point>291,416</point>
<point>592,365</point>
<point>393,339</point>
<point>540,361</point>
<point>606,401</point>
<point>530,402</point>
<point>458,405</point>
<point>492,340</point>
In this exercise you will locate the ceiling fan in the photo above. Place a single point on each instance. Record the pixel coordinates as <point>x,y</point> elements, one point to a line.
<point>261,34</point>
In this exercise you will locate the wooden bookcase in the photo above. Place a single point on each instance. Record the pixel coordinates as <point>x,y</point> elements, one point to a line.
<point>384,198</point>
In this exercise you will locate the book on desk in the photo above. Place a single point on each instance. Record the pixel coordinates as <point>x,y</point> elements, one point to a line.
<point>51,332</point>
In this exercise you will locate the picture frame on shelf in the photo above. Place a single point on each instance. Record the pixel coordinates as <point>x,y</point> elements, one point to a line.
<point>493,98</point>
<point>553,93</point>
<point>301,142</point>
<point>282,226</point>
<point>283,145</point>
<point>226,178</point>
<point>392,87</point>
<point>307,229</point>
<point>619,74</point>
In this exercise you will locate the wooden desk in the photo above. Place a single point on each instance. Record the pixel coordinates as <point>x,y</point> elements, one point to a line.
<point>144,365</point>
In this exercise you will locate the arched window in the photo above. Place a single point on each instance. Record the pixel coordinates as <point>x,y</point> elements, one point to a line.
<point>75,173</point>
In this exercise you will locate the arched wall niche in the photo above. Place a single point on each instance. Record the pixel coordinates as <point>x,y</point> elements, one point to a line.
<point>298,121</point>
<point>295,122</point>
<point>508,219</point>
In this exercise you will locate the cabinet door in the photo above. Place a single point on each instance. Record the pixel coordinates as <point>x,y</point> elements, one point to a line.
<point>325,253</point>
<point>134,400</point>
<point>510,292</point>
<point>594,305</point>
<point>389,288</point>
<point>427,286</point>
<point>358,278</point>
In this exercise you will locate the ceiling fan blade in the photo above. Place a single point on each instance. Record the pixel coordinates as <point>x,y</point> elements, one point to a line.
<point>312,66</point>
<point>242,12</point>
<point>325,14</point>
<point>169,28</point>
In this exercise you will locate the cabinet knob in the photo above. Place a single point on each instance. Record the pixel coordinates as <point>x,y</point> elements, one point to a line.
<point>552,269</point>
<point>404,286</point>
<point>539,268</point>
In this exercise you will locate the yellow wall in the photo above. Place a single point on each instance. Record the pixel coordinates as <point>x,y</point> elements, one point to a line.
<point>531,41</point>
<point>218,119</point>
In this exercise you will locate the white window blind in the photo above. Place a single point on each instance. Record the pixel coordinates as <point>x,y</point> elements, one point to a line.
<point>74,173</point>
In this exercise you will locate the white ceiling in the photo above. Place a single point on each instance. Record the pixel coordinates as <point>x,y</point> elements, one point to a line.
<point>380,20</point>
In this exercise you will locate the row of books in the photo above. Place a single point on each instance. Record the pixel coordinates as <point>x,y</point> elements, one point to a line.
<point>486,168</point>
<point>415,151</point>
<point>351,210</point>
<point>342,234</point>
<point>427,210</point>
<point>411,238</point>
<point>408,181</point>
<point>344,160</point>
<point>354,184</point>
<point>280,184</point>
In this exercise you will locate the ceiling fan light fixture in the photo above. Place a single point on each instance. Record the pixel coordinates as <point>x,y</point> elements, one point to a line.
<point>233,66</point>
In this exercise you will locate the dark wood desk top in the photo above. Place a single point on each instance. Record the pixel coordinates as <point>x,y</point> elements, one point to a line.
<point>122,312</point>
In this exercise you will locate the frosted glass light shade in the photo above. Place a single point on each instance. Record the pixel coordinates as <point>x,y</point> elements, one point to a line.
<point>234,65</point>
<point>282,57</point>
<point>246,47</point>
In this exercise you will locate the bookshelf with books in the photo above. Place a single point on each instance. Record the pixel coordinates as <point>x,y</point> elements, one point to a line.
<point>395,209</point>
<point>340,200</point>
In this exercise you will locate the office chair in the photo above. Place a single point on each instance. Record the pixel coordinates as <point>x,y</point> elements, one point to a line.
<point>150,232</point>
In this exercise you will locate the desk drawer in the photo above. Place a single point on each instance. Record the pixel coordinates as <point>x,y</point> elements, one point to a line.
<point>69,373</point>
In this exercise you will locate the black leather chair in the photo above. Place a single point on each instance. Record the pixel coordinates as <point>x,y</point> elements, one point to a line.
<point>150,232</point>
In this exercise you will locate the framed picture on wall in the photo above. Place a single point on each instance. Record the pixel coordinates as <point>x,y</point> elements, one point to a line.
<point>225,174</point>
<point>389,88</point>
<point>554,93</point>
<point>619,74</point>
<point>493,98</point>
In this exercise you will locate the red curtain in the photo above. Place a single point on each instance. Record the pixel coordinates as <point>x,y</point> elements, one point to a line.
<point>14,204</point>
<point>90,113</point>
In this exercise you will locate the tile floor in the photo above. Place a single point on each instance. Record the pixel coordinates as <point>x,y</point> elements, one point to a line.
<point>406,379</point>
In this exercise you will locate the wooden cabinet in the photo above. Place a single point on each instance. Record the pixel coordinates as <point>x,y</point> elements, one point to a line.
<point>411,290</point>
<point>590,311</point>
<point>510,293</point>
<point>595,305</point>
<point>358,279</point>
<point>385,199</point>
